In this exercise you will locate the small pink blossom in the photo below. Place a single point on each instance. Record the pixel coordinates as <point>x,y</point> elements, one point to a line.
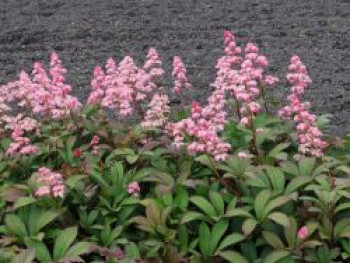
<point>259,131</point>
<point>134,188</point>
<point>303,232</point>
<point>242,155</point>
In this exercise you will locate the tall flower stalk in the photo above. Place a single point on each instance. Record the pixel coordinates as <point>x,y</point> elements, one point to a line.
<point>310,137</point>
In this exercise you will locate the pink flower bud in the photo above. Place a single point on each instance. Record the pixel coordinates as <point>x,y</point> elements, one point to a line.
<point>242,155</point>
<point>303,232</point>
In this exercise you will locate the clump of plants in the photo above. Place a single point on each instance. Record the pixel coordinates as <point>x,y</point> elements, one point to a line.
<point>127,177</point>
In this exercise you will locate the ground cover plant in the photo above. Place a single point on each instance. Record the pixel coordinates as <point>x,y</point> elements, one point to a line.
<point>127,177</point>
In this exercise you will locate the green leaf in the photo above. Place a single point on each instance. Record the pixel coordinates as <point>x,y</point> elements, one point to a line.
<point>260,203</point>
<point>233,257</point>
<point>275,203</point>
<point>248,226</point>
<point>24,201</point>
<point>296,183</point>
<point>306,166</point>
<point>231,240</point>
<point>26,256</point>
<point>217,232</point>
<point>204,205</point>
<point>276,177</point>
<point>73,180</point>
<point>237,212</point>
<point>15,225</point>
<point>273,240</point>
<point>41,251</point>
<point>342,207</point>
<point>277,151</point>
<point>205,160</point>
<point>182,198</point>
<point>132,251</point>
<point>78,249</point>
<point>290,168</point>
<point>276,256</point>
<point>204,239</point>
<point>218,202</point>
<point>131,159</point>
<point>98,179</point>
<point>290,232</point>
<point>63,241</point>
<point>183,238</point>
<point>279,218</point>
<point>42,220</point>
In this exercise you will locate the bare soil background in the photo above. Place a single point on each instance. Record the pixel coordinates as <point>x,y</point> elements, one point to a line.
<point>86,32</point>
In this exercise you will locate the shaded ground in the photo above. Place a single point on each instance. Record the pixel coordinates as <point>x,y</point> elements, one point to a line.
<point>87,32</point>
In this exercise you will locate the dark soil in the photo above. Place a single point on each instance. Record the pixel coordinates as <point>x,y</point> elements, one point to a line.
<point>87,32</point>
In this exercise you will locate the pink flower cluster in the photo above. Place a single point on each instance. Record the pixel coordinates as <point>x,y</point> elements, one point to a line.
<point>45,94</point>
<point>157,113</point>
<point>122,87</point>
<point>241,76</point>
<point>179,74</point>
<point>134,188</point>
<point>21,144</point>
<point>53,184</point>
<point>203,127</point>
<point>310,137</point>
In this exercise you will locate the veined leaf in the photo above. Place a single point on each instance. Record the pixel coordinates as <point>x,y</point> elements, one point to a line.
<point>43,219</point>
<point>230,240</point>
<point>204,239</point>
<point>273,240</point>
<point>248,226</point>
<point>192,216</point>
<point>279,218</point>
<point>275,203</point>
<point>78,249</point>
<point>237,212</point>
<point>41,251</point>
<point>276,256</point>
<point>260,203</point>
<point>276,177</point>
<point>24,201</point>
<point>306,166</point>
<point>218,202</point>
<point>204,205</point>
<point>26,256</point>
<point>15,225</point>
<point>277,151</point>
<point>63,241</point>
<point>205,160</point>
<point>297,182</point>
<point>217,232</point>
